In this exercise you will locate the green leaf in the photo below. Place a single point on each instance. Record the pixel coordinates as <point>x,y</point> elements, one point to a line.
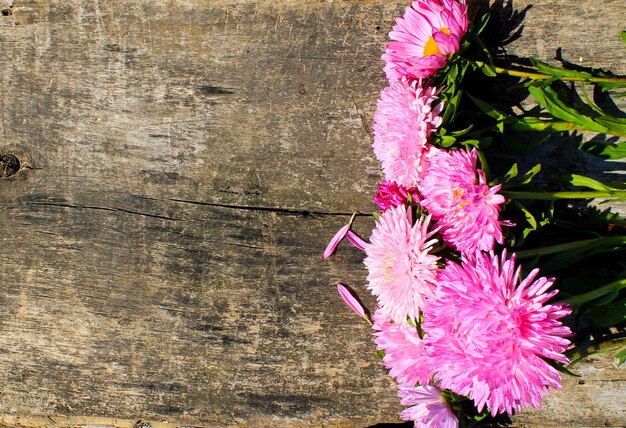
<point>512,172</point>
<point>550,100</point>
<point>582,181</point>
<point>605,151</point>
<point>621,356</point>
<point>527,178</point>
<point>558,72</point>
<point>530,218</point>
<point>451,107</point>
<point>490,111</point>
<point>446,141</point>
<point>598,246</point>
<point>615,125</point>
<point>597,293</point>
<point>380,353</point>
<point>623,36</point>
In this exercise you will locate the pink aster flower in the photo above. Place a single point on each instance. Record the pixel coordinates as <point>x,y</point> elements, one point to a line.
<point>457,196</point>
<point>488,333</point>
<point>429,409</point>
<point>391,194</point>
<point>404,119</point>
<point>403,349</point>
<point>424,38</point>
<point>402,272</point>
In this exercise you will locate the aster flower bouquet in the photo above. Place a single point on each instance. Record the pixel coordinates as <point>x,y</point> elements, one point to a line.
<point>465,321</point>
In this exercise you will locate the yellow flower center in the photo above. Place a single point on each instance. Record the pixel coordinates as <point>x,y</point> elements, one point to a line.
<point>431,48</point>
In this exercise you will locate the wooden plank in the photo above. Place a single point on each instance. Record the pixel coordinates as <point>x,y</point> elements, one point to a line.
<point>182,165</point>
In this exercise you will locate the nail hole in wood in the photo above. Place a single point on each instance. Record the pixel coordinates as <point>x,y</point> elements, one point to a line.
<point>7,11</point>
<point>9,165</point>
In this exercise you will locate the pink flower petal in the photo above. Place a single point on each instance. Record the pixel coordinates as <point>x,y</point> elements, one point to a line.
<point>356,240</point>
<point>350,298</point>
<point>332,245</point>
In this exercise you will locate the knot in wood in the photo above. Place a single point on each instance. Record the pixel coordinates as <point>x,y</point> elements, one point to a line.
<point>9,165</point>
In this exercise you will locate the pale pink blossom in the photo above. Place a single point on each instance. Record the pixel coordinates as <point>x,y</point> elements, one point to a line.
<point>391,194</point>
<point>402,348</point>
<point>429,409</point>
<point>488,333</point>
<point>401,271</point>
<point>405,117</point>
<point>457,196</point>
<point>351,300</point>
<point>424,38</point>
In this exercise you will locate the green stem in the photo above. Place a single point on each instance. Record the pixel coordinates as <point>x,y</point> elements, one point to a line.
<point>542,76</point>
<point>544,125</point>
<point>598,292</point>
<point>553,249</point>
<point>553,196</point>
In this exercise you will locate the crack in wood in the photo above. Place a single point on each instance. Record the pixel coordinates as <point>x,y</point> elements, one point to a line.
<point>86,207</point>
<point>285,211</point>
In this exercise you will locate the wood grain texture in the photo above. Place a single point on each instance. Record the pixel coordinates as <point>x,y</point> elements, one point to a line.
<point>183,164</point>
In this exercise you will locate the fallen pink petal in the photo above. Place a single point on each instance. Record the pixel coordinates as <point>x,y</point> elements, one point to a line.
<point>351,299</point>
<point>334,242</point>
<point>356,240</point>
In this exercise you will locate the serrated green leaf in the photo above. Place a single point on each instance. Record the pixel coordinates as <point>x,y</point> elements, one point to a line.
<point>550,100</point>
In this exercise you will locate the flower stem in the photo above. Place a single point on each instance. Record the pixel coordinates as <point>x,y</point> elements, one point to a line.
<point>598,292</point>
<point>544,251</point>
<point>553,196</point>
<point>542,76</point>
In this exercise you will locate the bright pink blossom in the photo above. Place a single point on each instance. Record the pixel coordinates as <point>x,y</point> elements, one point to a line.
<point>488,334</point>
<point>403,349</point>
<point>391,194</point>
<point>424,38</point>
<point>402,272</point>
<point>457,196</point>
<point>404,119</point>
<point>429,409</point>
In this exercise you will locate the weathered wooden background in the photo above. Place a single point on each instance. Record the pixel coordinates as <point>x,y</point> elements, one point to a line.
<point>183,164</point>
